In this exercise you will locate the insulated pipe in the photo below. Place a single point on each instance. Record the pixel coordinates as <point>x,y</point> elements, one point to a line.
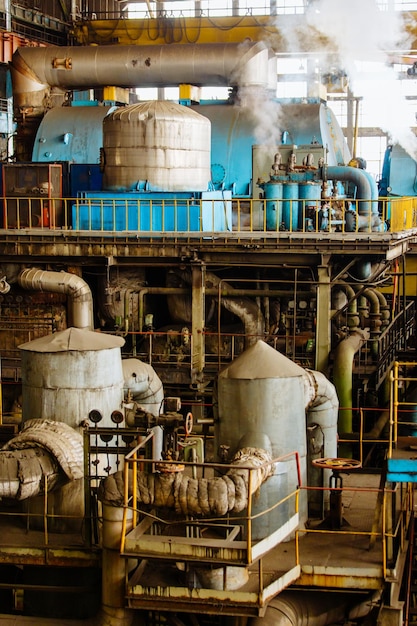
<point>144,385</point>
<point>113,611</point>
<point>43,451</point>
<point>322,406</point>
<point>80,311</point>
<point>311,608</point>
<point>36,70</point>
<point>196,496</point>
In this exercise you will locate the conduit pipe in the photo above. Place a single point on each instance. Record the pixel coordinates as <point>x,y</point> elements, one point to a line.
<point>367,218</point>
<point>80,310</point>
<point>38,72</point>
<point>384,308</point>
<point>374,317</point>
<point>343,373</point>
<point>353,319</point>
<point>244,308</point>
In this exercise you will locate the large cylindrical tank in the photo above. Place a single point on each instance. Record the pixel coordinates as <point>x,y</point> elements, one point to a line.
<point>160,143</point>
<point>69,373</point>
<point>64,377</point>
<point>261,403</point>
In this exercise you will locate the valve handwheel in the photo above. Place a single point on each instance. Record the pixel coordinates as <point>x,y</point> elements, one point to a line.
<point>337,464</point>
<point>337,467</point>
<point>188,424</point>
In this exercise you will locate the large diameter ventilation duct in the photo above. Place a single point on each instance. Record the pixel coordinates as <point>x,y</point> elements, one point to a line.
<point>312,608</point>
<point>218,495</point>
<point>44,452</point>
<point>36,70</point>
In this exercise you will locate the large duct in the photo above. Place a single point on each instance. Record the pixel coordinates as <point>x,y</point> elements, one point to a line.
<point>44,452</point>
<point>144,385</point>
<point>80,312</point>
<point>244,308</point>
<point>36,70</point>
<point>312,608</point>
<point>322,406</point>
<point>196,496</point>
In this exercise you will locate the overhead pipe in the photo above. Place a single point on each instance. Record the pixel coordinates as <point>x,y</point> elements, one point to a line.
<point>80,311</point>
<point>243,307</point>
<point>353,319</point>
<point>38,73</point>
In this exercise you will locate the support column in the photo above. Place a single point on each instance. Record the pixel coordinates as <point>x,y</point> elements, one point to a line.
<point>323,326</point>
<point>198,294</point>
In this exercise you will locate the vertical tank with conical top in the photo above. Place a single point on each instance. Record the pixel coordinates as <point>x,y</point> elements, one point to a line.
<point>261,403</point>
<point>65,376</point>
<point>69,373</point>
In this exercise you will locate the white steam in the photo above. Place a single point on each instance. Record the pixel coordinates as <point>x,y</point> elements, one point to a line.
<point>359,38</point>
<point>264,113</point>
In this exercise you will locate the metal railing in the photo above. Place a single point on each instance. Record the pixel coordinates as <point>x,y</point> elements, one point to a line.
<point>403,414</point>
<point>134,463</point>
<point>223,217</point>
<point>279,7</point>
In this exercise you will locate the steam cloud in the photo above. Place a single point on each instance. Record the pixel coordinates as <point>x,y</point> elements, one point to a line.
<point>356,36</point>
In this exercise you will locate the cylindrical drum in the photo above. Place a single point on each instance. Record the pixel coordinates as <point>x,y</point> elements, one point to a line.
<point>261,403</point>
<point>290,206</point>
<point>309,195</point>
<point>273,196</point>
<point>162,143</point>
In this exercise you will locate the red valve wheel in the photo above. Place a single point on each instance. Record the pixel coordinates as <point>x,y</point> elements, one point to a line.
<point>188,424</point>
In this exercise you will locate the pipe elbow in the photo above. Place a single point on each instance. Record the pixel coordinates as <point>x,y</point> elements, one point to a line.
<point>75,287</point>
